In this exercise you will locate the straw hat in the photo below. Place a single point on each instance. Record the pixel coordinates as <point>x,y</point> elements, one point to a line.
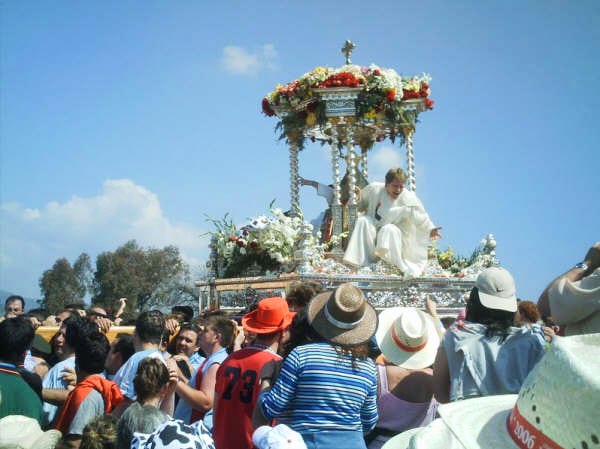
<point>343,316</point>
<point>577,304</point>
<point>272,315</point>
<point>407,337</point>
<point>22,432</point>
<point>557,407</point>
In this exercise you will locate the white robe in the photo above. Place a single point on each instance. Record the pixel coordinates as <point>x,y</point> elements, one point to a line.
<point>400,236</point>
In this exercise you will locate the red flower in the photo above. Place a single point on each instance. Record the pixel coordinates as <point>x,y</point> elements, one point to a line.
<point>266,108</point>
<point>391,95</point>
<point>232,239</point>
<point>429,103</point>
<point>240,242</point>
<point>376,72</point>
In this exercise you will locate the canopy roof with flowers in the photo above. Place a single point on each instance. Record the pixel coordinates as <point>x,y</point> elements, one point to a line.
<point>348,107</point>
<point>386,104</point>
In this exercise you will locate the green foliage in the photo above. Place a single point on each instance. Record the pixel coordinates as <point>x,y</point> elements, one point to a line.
<point>148,277</point>
<point>65,284</point>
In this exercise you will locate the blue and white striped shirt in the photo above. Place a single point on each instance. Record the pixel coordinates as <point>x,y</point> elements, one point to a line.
<point>321,389</point>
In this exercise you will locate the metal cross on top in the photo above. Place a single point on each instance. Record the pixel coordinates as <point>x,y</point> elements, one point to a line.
<point>347,50</point>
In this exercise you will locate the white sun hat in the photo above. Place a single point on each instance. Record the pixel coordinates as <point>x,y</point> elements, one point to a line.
<point>577,304</point>
<point>497,290</point>
<point>23,432</point>
<point>407,337</point>
<point>278,437</point>
<point>557,407</point>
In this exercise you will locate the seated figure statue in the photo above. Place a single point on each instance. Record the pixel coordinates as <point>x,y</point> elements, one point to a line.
<point>394,227</point>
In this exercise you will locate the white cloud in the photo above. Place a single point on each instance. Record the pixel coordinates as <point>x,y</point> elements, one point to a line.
<point>382,160</point>
<point>32,239</point>
<point>239,61</point>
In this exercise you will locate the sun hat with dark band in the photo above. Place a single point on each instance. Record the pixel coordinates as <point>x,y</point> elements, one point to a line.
<point>343,316</point>
<point>407,337</point>
<point>557,407</point>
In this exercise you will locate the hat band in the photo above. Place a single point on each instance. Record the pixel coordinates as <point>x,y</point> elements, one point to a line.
<point>338,323</point>
<point>525,435</point>
<point>406,347</point>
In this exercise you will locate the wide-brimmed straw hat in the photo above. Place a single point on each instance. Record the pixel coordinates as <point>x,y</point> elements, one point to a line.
<point>272,315</point>
<point>557,407</point>
<point>17,431</point>
<point>407,337</point>
<point>577,304</point>
<point>343,316</point>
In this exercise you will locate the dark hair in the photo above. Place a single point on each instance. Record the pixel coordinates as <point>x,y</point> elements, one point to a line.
<point>77,329</point>
<point>150,326</point>
<point>301,333</point>
<point>186,311</point>
<point>151,376</point>
<point>75,306</point>
<point>124,346</point>
<point>40,313</point>
<point>91,352</point>
<point>100,433</point>
<point>16,336</point>
<point>497,321</point>
<point>13,298</point>
<point>300,293</point>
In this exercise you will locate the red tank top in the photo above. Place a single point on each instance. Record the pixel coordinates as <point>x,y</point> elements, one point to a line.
<point>236,390</point>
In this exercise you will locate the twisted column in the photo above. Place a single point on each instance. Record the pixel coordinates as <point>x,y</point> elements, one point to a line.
<point>294,185</point>
<point>336,206</point>
<point>352,209</point>
<point>410,159</point>
<point>363,164</point>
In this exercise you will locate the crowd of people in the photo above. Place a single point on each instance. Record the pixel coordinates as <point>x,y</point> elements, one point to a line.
<point>315,369</point>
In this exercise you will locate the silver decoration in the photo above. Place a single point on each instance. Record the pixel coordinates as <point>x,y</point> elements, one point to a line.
<point>306,253</point>
<point>339,101</point>
<point>294,183</point>
<point>352,208</point>
<point>336,207</point>
<point>347,50</point>
<point>363,165</point>
<point>410,163</point>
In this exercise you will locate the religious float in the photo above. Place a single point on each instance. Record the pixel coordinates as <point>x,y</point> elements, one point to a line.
<point>349,109</point>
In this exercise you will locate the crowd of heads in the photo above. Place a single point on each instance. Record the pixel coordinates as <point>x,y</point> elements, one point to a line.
<point>414,346</point>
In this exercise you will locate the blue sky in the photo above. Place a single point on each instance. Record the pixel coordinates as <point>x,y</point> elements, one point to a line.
<point>133,119</point>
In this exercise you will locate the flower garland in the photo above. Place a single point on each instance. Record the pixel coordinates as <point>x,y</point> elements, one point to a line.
<point>265,244</point>
<point>380,100</point>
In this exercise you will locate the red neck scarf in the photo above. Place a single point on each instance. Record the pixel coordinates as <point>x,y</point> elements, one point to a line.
<point>108,389</point>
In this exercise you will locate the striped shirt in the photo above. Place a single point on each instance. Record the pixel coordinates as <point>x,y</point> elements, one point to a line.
<point>321,389</point>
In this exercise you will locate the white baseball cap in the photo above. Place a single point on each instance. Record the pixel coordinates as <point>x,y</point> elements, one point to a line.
<point>497,290</point>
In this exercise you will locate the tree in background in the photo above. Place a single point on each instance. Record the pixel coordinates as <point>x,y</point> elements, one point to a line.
<point>65,284</point>
<point>148,278</point>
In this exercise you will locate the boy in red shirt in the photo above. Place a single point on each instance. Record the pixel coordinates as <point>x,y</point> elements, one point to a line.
<point>238,378</point>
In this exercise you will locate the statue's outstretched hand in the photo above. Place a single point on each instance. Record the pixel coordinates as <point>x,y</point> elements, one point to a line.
<point>435,234</point>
